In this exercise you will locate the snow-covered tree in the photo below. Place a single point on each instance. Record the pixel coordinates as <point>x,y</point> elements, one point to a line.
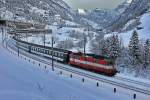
<point>105,47</point>
<point>134,50</point>
<point>111,47</point>
<point>114,48</point>
<point>146,53</point>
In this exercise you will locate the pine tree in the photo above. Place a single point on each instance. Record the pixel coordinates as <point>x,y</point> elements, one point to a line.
<point>111,47</point>
<point>134,50</point>
<point>146,54</point>
<point>114,48</point>
<point>105,47</point>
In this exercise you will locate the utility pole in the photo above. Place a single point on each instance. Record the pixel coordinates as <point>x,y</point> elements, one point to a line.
<point>52,53</point>
<point>18,44</point>
<point>2,34</point>
<point>101,36</point>
<point>53,48</point>
<point>99,48</point>
<point>44,39</point>
<point>84,36</point>
<point>84,42</point>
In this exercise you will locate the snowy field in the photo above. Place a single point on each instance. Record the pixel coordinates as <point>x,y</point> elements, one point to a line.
<point>21,80</point>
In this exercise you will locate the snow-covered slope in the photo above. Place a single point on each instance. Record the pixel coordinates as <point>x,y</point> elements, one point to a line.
<point>143,29</point>
<point>144,32</point>
<point>136,9</point>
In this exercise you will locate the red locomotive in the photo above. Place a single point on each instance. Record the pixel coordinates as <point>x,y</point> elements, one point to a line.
<point>92,62</point>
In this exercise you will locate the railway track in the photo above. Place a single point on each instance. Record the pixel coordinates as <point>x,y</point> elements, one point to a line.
<point>133,81</point>
<point>85,74</point>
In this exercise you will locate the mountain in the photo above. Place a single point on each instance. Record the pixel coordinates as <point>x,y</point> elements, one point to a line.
<point>135,9</point>
<point>35,9</point>
<point>105,17</point>
<point>143,29</point>
<point>123,6</point>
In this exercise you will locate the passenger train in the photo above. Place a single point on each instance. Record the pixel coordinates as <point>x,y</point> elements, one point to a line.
<point>91,62</point>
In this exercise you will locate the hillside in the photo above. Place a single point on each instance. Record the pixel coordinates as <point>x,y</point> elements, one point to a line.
<point>136,9</point>
<point>34,9</point>
<point>143,29</point>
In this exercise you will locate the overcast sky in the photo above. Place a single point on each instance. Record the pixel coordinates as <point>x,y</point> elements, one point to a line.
<point>90,4</point>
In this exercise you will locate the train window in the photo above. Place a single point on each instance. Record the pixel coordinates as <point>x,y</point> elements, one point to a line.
<point>55,53</point>
<point>39,49</point>
<point>62,55</point>
<point>96,60</point>
<point>50,52</point>
<point>42,50</point>
<point>59,55</point>
<point>46,51</point>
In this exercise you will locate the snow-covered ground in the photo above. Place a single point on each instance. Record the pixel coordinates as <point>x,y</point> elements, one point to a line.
<point>21,80</point>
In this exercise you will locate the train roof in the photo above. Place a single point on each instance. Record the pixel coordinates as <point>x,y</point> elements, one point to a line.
<point>97,56</point>
<point>33,31</point>
<point>93,55</point>
<point>41,46</point>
